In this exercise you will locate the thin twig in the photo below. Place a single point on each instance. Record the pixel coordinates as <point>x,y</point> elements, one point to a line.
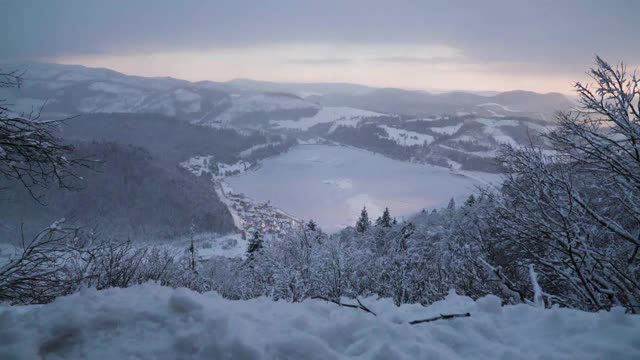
<point>359,306</point>
<point>441,317</point>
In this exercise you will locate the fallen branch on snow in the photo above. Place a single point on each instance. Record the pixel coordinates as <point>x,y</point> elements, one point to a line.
<point>441,317</point>
<point>359,306</point>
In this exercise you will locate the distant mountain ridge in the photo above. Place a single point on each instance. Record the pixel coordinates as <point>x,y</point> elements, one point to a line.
<point>457,129</point>
<point>422,103</point>
<point>74,89</point>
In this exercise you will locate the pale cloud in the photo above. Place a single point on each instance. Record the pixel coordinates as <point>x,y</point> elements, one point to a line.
<point>320,61</point>
<point>422,60</point>
<point>442,68</point>
<point>491,44</point>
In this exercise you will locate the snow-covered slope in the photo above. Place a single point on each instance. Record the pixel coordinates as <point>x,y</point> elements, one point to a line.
<point>71,90</point>
<point>153,322</point>
<point>256,110</point>
<point>405,137</point>
<point>338,116</point>
<point>421,103</point>
<point>207,165</point>
<point>469,142</point>
<point>447,130</point>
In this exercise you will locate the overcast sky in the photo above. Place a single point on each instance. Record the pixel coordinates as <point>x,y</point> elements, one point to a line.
<point>476,45</point>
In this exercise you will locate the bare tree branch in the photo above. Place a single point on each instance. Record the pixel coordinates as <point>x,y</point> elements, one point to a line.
<point>359,306</point>
<point>30,152</point>
<point>441,317</point>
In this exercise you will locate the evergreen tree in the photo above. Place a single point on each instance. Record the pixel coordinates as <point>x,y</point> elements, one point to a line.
<point>192,247</point>
<point>408,230</point>
<point>385,220</point>
<point>255,244</point>
<point>311,226</point>
<point>363,222</point>
<point>470,201</point>
<point>451,205</point>
<point>192,254</point>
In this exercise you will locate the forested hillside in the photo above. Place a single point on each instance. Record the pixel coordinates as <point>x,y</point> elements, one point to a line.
<point>133,186</point>
<point>169,139</point>
<point>126,194</point>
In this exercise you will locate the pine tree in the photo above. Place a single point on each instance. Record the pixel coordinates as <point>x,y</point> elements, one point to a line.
<point>451,205</point>
<point>363,222</point>
<point>192,247</point>
<point>406,232</point>
<point>385,220</point>
<point>311,226</point>
<point>470,201</point>
<point>192,252</point>
<point>255,244</point>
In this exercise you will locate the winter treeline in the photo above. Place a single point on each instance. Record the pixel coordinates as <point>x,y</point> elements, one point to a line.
<point>61,260</point>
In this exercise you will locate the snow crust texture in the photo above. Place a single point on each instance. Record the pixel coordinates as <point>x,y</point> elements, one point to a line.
<point>154,322</point>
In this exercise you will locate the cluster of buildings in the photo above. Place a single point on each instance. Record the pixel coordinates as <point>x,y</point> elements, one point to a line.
<point>260,217</point>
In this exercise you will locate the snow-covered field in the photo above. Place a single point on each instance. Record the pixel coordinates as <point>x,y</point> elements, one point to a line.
<point>447,130</point>
<point>331,184</point>
<point>499,106</point>
<point>406,137</point>
<point>154,322</point>
<point>251,150</point>
<point>340,116</point>
<point>200,165</point>
<point>262,102</point>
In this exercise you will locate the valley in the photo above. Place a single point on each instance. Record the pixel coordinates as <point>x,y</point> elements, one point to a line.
<point>322,180</point>
<point>356,146</point>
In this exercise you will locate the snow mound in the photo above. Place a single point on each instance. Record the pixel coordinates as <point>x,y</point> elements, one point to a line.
<point>154,322</point>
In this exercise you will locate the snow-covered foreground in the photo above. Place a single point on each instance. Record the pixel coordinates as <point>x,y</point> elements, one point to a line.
<point>154,322</point>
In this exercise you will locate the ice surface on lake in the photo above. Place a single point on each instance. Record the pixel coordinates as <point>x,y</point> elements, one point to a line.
<point>331,184</point>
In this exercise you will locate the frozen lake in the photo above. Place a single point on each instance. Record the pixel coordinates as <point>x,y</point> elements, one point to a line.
<point>331,184</point>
